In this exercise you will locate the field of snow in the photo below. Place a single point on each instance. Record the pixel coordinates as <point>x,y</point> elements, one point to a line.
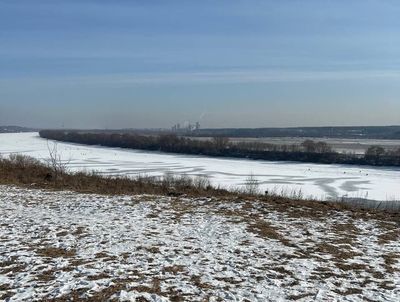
<point>319,181</point>
<point>63,246</point>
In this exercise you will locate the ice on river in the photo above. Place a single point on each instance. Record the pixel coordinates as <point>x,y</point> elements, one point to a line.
<point>316,180</point>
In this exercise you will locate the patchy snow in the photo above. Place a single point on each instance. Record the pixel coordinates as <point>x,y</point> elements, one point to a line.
<point>148,248</point>
<point>312,180</point>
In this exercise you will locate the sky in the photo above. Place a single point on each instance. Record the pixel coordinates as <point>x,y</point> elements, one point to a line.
<point>224,63</point>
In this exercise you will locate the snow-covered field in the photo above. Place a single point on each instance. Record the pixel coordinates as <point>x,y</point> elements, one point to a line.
<point>319,181</point>
<point>65,246</point>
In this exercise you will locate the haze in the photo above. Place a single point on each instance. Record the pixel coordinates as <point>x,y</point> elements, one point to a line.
<point>138,64</point>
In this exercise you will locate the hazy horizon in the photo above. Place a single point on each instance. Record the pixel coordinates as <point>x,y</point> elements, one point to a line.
<point>251,64</point>
<point>169,128</point>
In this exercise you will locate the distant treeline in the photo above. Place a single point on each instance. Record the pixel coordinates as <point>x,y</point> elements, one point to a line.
<point>308,151</point>
<point>371,132</point>
<point>15,129</point>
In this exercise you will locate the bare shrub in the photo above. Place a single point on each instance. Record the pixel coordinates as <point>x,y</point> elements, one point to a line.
<point>252,185</point>
<point>296,194</point>
<point>167,180</point>
<point>23,161</point>
<point>183,181</point>
<point>142,179</point>
<point>201,182</point>
<point>57,165</point>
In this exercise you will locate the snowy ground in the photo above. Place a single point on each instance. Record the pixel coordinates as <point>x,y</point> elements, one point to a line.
<point>313,180</point>
<point>55,246</point>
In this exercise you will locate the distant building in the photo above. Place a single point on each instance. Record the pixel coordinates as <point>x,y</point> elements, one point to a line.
<point>188,127</point>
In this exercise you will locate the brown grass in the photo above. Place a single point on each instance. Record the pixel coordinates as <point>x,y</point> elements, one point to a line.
<point>62,234</point>
<point>46,276</point>
<point>391,260</point>
<point>339,253</point>
<point>12,269</point>
<point>300,296</point>
<point>28,172</point>
<point>351,267</point>
<point>389,236</point>
<point>98,277</point>
<point>263,229</point>
<point>196,280</point>
<point>175,269</point>
<point>53,252</point>
<point>7,294</point>
<point>349,291</point>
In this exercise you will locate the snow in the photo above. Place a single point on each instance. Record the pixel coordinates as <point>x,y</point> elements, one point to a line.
<point>60,244</point>
<point>312,180</point>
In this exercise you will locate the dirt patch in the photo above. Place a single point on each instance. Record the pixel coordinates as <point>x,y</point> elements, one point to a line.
<point>53,252</point>
<point>155,287</point>
<point>175,269</point>
<point>360,267</point>
<point>196,280</point>
<point>180,208</point>
<point>265,230</point>
<point>347,228</point>
<point>5,287</point>
<point>46,276</point>
<point>349,291</point>
<point>62,234</point>
<point>389,236</point>
<point>17,268</point>
<point>391,259</point>
<point>342,252</point>
<point>300,296</point>
<point>98,277</point>
<point>153,250</point>
<point>6,295</point>
<point>388,285</point>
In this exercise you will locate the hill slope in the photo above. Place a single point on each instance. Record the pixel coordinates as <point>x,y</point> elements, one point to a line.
<point>56,246</point>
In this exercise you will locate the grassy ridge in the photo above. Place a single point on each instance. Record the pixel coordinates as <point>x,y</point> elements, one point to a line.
<point>28,172</point>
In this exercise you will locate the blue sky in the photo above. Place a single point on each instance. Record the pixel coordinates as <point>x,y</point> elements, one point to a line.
<point>226,63</point>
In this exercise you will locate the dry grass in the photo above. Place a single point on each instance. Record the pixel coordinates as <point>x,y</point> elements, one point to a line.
<point>175,269</point>
<point>264,229</point>
<point>46,276</point>
<point>196,280</point>
<point>12,269</point>
<point>339,253</point>
<point>389,236</point>
<point>391,259</point>
<point>53,252</point>
<point>299,297</point>
<point>29,172</point>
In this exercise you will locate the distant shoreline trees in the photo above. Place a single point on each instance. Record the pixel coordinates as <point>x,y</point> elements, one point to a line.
<point>308,151</point>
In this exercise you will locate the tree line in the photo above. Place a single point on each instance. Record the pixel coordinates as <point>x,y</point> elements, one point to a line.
<point>308,151</point>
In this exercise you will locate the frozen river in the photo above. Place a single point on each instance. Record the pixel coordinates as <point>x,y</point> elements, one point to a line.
<point>320,181</point>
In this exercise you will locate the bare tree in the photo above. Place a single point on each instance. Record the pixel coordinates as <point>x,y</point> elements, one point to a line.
<point>309,146</point>
<point>57,165</point>
<point>252,185</point>
<point>375,152</point>
<point>220,142</point>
